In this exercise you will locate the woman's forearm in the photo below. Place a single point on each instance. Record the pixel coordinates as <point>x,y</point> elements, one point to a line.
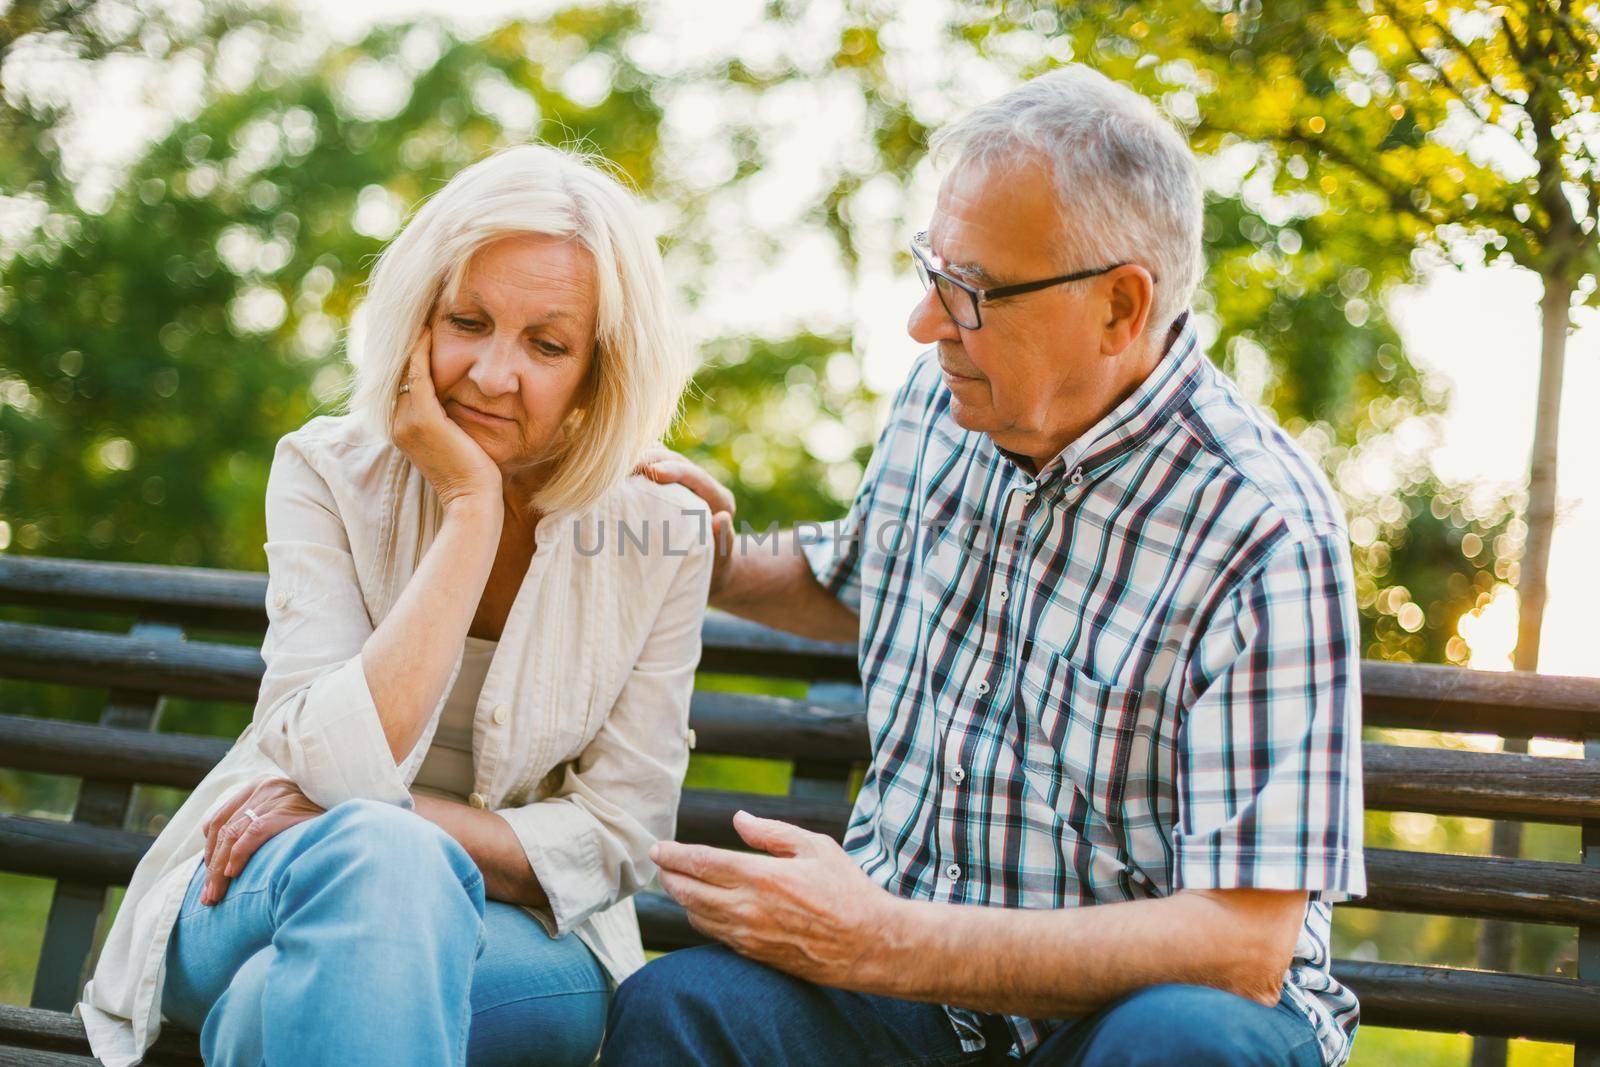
<point>408,659</point>
<point>493,846</point>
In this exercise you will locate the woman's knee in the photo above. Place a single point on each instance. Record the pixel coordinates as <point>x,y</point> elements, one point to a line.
<point>387,830</point>
<point>386,843</point>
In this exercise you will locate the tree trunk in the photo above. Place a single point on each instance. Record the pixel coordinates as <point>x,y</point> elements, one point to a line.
<point>1496,941</point>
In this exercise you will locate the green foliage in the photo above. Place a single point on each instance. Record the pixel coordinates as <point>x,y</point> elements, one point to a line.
<point>158,347</point>
<point>157,350</point>
<point>788,422</point>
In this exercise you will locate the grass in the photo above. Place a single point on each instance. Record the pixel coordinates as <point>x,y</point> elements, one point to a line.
<point>24,904</point>
<point>1377,1047</point>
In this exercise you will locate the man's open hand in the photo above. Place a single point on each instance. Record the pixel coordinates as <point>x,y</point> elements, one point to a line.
<point>804,908</point>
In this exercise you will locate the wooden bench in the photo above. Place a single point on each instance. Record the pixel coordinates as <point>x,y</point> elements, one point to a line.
<point>823,734</point>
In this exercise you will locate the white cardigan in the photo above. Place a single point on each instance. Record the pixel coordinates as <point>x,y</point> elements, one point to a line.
<point>581,737</point>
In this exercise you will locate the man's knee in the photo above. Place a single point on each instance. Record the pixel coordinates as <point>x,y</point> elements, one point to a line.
<point>1172,1025</point>
<point>669,986</point>
<point>690,1002</point>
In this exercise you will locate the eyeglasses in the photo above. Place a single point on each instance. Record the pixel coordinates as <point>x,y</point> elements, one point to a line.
<point>961,300</point>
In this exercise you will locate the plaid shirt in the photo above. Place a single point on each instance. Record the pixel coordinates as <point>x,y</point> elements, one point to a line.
<point>1129,674</point>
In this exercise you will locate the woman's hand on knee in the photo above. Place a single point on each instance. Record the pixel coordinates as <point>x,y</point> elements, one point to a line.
<point>251,817</point>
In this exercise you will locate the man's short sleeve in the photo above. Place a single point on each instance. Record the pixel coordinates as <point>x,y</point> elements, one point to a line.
<point>1269,751</point>
<point>833,549</point>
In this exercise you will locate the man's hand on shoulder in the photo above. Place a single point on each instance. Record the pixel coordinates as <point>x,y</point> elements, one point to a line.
<point>666,467</point>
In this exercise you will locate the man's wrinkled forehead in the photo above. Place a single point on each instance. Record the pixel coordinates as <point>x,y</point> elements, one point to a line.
<point>992,214</point>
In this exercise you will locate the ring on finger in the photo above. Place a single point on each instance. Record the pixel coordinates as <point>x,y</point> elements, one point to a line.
<point>252,815</point>
<point>405,387</point>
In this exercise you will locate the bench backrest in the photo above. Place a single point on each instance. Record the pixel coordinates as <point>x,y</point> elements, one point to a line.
<point>824,735</point>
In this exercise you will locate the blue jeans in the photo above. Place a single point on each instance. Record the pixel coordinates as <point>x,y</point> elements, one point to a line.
<point>711,1007</point>
<point>362,937</point>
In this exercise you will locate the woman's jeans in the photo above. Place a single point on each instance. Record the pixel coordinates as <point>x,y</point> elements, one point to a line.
<point>362,937</point>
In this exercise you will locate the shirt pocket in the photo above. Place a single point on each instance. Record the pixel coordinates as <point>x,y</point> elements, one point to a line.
<point>1079,733</point>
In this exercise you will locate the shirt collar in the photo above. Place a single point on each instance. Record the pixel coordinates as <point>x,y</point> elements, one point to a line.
<point>1130,423</point>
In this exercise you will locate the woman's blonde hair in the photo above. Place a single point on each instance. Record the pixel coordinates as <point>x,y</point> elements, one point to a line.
<point>642,359</point>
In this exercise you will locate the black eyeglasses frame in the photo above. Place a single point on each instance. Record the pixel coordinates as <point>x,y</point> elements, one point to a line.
<point>928,270</point>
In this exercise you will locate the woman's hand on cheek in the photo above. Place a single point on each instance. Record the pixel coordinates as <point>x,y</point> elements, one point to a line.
<point>455,465</point>
<point>252,817</point>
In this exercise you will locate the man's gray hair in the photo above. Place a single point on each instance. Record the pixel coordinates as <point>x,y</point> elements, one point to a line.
<point>1126,179</point>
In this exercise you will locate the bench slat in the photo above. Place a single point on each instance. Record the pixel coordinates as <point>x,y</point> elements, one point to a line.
<point>1420,696</point>
<point>36,1029</point>
<point>1490,785</point>
<point>1437,781</point>
<point>192,596</point>
<point>1471,886</point>
<point>214,671</point>
<point>200,598</point>
<point>32,1057</point>
<point>747,724</point>
<point>1430,696</point>
<point>94,659</point>
<point>47,848</point>
<point>705,816</point>
<point>53,746</point>
<point>1494,887</point>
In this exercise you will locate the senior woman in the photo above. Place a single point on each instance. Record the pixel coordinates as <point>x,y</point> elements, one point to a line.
<point>473,724</point>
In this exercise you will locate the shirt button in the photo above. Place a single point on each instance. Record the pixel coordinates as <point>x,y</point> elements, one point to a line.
<point>1004,595</point>
<point>691,737</point>
<point>953,872</point>
<point>499,714</point>
<point>982,687</point>
<point>1077,476</point>
<point>476,800</point>
<point>280,599</point>
<point>1027,498</point>
<point>957,775</point>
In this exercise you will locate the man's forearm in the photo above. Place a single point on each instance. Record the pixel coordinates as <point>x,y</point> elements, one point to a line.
<point>1068,962</point>
<point>768,581</point>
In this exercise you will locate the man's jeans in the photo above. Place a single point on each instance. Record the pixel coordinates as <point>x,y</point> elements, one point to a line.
<point>362,937</point>
<point>708,1006</point>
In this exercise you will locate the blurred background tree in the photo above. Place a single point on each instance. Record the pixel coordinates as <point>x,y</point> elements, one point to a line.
<point>161,325</point>
<point>160,337</point>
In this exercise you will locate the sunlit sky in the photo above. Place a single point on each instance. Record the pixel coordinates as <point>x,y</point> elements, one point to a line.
<point>1477,328</point>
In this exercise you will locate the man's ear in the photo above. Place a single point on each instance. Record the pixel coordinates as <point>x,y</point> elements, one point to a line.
<point>1130,291</point>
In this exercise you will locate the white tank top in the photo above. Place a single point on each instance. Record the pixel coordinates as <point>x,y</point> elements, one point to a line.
<point>446,769</point>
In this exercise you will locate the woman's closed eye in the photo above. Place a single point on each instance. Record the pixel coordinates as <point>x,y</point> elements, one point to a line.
<point>465,323</point>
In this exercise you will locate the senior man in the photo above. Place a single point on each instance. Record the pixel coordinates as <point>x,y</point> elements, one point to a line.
<point>1109,650</point>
